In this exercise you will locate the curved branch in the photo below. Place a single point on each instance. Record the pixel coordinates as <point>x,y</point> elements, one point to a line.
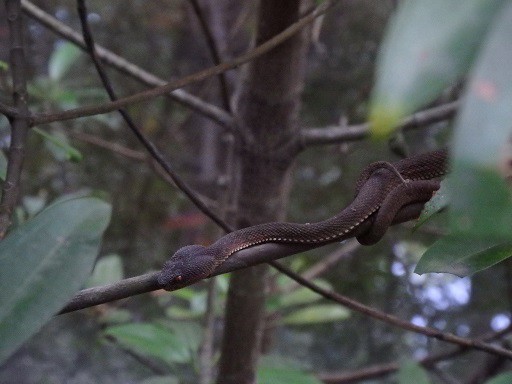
<point>195,77</point>
<point>380,370</point>
<point>120,63</point>
<point>214,51</point>
<point>337,134</point>
<point>267,253</point>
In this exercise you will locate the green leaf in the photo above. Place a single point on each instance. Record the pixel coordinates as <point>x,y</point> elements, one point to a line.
<point>481,151</point>
<point>62,59</point>
<point>178,312</point>
<point>299,296</point>
<point>267,375</point>
<point>59,146</point>
<point>188,333</point>
<point>504,378</point>
<point>107,270</point>
<point>482,129</point>
<point>438,202</point>
<point>151,340</point>
<point>43,263</point>
<point>412,372</point>
<point>161,380</point>
<point>481,204</point>
<point>463,255</point>
<point>429,44</point>
<point>3,165</point>
<point>316,314</point>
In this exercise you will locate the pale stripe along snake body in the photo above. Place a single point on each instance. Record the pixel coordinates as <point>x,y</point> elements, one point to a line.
<point>383,189</point>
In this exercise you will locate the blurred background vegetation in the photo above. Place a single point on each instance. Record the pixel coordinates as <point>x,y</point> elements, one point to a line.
<point>142,337</point>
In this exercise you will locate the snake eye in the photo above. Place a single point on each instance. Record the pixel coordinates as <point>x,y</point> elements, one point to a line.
<point>178,278</point>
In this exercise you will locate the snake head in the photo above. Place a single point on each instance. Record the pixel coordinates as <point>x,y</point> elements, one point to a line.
<point>187,266</point>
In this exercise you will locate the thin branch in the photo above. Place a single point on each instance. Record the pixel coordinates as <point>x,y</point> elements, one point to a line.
<point>381,370</point>
<point>19,124</point>
<point>8,111</point>
<point>337,134</point>
<point>266,253</point>
<point>395,321</point>
<point>151,148</point>
<point>195,77</point>
<point>325,264</point>
<point>242,259</point>
<point>110,146</point>
<point>206,109</point>
<point>214,51</point>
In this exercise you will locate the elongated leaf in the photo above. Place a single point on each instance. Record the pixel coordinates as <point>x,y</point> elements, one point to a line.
<point>429,44</point>
<point>504,378</point>
<point>463,255</point>
<point>317,314</point>
<point>107,270</point>
<point>161,380</point>
<point>61,60</point>
<point>59,146</point>
<point>151,340</point>
<point>3,165</point>
<point>299,296</point>
<point>45,261</point>
<point>411,372</point>
<point>267,375</point>
<point>481,204</point>
<point>482,151</point>
<point>482,129</point>
<point>438,202</point>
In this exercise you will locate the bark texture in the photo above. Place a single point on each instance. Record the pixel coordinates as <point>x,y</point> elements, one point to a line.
<point>267,111</point>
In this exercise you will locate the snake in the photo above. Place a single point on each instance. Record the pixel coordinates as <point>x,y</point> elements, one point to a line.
<point>381,191</point>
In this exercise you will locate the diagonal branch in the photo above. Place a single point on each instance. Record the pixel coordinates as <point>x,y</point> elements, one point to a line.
<point>337,134</point>
<point>195,77</point>
<point>267,253</point>
<point>214,51</point>
<point>150,146</point>
<point>8,111</point>
<point>123,65</point>
<point>380,370</point>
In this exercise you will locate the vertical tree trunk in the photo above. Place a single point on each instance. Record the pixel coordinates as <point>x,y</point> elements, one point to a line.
<point>267,113</point>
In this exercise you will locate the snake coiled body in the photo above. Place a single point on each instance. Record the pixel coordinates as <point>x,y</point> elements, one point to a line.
<point>380,184</point>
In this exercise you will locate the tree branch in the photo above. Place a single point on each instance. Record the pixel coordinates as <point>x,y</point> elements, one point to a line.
<point>337,134</point>
<point>19,124</point>
<point>267,253</point>
<point>195,77</point>
<point>214,51</point>
<point>150,146</point>
<point>8,111</point>
<point>206,109</point>
<point>381,370</point>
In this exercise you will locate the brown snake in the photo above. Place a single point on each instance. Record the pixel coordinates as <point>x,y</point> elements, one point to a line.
<point>382,190</point>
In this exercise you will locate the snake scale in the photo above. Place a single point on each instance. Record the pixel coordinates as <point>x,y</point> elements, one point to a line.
<point>382,190</point>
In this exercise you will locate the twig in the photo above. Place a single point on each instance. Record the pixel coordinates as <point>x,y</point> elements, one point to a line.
<point>113,147</point>
<point>195,77</point>
<point>336,134</point>
<point>381,370</point>
<point>214,51</point>
<point>19,124</point>
<point>123,65</point>
<point>323,265</point>
<point>8,111</point>
<point>151,148</point>
<point>395,321</point>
